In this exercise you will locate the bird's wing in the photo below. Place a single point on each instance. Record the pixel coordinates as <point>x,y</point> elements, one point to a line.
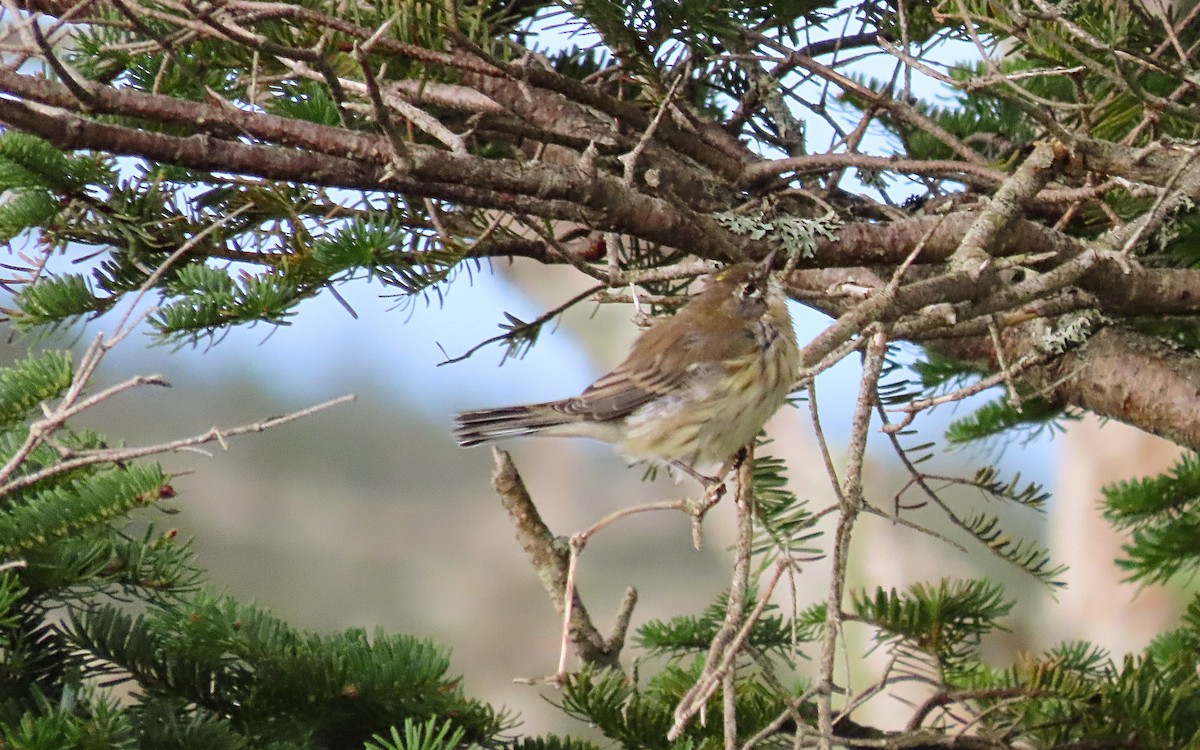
<point>666,359</point>
<point>662,362</point>
<point>624,390</point>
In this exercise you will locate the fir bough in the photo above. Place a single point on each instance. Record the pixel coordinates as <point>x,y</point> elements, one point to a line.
<point>90,602</point>
<point>1162,513</point>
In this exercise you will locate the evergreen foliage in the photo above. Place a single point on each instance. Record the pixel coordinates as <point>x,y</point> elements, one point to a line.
<point>229,161</point>
<point>89,604</point>
<point>1163,512</point>
<point>946,621</point>
<point>640,716</point>
<point>686,635</point>
<point>786,526</point>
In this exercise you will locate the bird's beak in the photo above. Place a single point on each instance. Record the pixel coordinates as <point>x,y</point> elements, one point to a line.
<point>765,265</point>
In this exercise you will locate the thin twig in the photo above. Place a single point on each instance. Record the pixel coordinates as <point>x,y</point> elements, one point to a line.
<point>822,443</point>
<point>551,562</point>
<point>629,160</point>
<point>78,86</point>
<point>533,325</point>
<point>69,405</point>
<point>586,534</point>
<point>1168,200</point>
<point>851,495</point>
<point>723,649</point>
<point>1014,396</point>
<point>118,455</point>
<point>711,676</point>
<point>901,521</point>
<point>1006,375</point>
<point>399,147</point>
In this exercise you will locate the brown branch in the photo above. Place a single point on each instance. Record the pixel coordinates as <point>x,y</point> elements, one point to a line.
<point>447,96</point>
<point>973,174</point>
<point>216,118</point>
<point>729,640</point>
<point>1118,373</point>
<point>851,502</point>
<point>1120,288</point>
<point>544,190</point>
<point>1155,164</point>
<point>1144,291</point>
<point>974,253</point>
<point>708,145</point>
<point>886,305</point>
<point>561,119</point>
<point>223,120</point>
<point>888,244</point>
<point>550,560</point>
<point>117,455</point>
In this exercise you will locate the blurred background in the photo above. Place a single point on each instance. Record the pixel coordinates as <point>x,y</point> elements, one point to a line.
<point>368,515</point>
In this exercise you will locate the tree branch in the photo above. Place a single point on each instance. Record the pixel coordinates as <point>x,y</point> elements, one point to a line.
<point>1118,373</point>
<point>550,560</point>
<point>598,200</point>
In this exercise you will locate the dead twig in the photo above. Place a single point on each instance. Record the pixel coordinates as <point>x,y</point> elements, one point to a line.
<point>851,501</point>
<point>552,563</point>
<point>118,455</point>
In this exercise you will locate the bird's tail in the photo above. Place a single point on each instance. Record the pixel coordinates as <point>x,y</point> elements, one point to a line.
<point>485,425</point>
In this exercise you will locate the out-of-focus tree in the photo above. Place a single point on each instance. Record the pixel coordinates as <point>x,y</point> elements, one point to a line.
<point>1026,218</point>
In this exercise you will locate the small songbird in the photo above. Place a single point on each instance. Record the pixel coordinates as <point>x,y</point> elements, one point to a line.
<point>696,387</point>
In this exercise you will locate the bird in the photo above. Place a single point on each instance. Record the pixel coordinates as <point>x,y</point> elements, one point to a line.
<point>696,387</point>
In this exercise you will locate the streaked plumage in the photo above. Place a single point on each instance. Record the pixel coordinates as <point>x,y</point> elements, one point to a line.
<point>695,388</point>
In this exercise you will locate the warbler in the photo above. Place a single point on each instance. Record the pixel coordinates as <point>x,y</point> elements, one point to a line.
<point>695,388</point>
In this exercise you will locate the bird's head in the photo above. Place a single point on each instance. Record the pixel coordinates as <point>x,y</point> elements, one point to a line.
<point>743,290</point>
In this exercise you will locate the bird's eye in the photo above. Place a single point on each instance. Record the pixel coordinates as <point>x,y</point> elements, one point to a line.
<point>750,289</point>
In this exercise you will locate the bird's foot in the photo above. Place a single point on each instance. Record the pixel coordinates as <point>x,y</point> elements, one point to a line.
<point>703,479</point>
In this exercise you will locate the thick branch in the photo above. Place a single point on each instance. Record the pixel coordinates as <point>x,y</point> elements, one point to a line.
<point>879,244</point>
<point>974,253</point>
<point>974,174</point>
<point>707,144</point>
<point>1121,289</point>
<point>597,200</point>
<point>1118,373</point>
<point>1156,164</point>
